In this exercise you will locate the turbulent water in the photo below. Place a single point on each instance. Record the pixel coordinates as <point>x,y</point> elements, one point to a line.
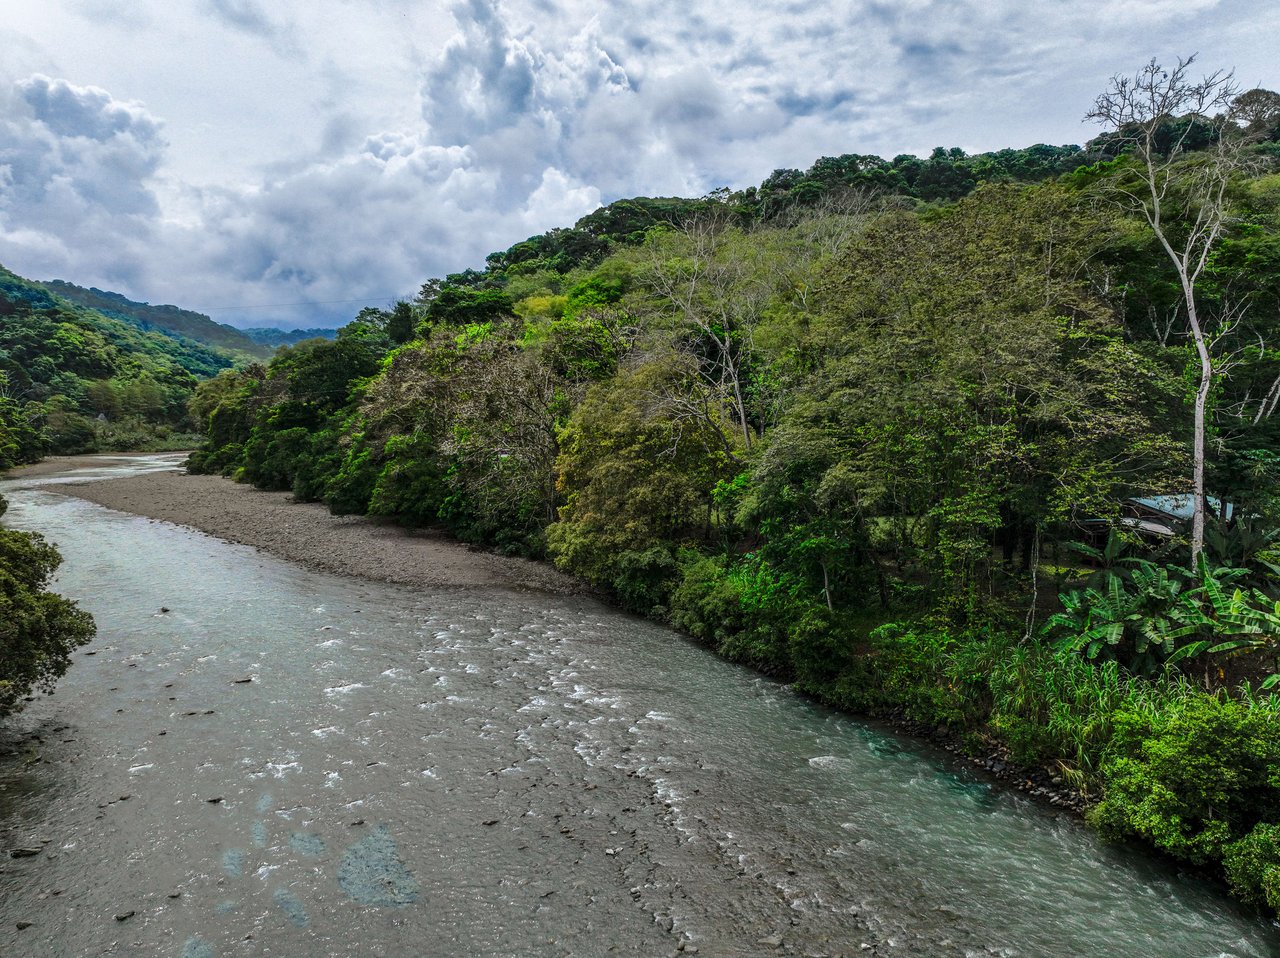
<point>254,759</point>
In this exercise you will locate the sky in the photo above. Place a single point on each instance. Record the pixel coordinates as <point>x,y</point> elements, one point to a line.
<point>286,162</point>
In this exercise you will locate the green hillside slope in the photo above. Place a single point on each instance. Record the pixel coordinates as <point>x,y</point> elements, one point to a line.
<point>75,380</point>
<point>169,320</point>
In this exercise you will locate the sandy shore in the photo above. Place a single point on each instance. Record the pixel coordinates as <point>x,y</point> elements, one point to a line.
<point>53,465</point>
<point>306,533</point>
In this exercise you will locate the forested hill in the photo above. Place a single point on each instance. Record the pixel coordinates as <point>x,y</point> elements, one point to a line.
<point>272,337</point>
<point>898,430</point>
<point>170,320</point>
<point>73,379</point>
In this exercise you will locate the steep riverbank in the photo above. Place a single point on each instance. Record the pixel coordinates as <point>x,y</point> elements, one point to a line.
<point>306,533</point>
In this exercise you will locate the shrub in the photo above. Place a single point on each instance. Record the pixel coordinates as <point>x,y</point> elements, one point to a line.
<point>707,603</point>
<point>643,581</point>
<point>1193,777</point>
<point>1253,866</point>
<point>909,671</point>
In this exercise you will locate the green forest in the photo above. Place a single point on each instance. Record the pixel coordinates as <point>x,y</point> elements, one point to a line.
<point>986,445</point>
<point>74,379</point>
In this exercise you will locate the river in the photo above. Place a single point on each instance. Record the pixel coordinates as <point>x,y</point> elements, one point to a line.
<point>256,759</point>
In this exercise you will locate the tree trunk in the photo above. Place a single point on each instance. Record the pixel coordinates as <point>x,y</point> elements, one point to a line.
<point>1202,403</point>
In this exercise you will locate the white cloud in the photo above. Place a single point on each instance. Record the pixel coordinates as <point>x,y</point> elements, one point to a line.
<point>77,169</point>
<point>335,149</point>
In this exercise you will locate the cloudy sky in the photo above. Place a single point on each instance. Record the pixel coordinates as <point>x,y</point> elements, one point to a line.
<point>241,157</point>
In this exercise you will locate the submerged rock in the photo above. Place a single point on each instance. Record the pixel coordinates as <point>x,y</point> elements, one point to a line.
<point>372,873</point>
<point>305,843</point>
<point>292,907</point>
<point>197,948</point>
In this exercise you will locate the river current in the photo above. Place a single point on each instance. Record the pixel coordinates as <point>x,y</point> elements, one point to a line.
<point>257,759</point>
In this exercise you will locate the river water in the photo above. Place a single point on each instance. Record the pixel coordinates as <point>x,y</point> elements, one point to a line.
<point>485,773</point>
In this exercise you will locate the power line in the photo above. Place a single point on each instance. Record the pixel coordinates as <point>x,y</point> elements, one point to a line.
<point>330,302</point>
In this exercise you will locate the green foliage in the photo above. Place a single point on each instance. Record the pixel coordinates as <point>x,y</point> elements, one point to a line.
<point>73,379</point>
<point>904,670</point>
<point>352,477</point>
<point>1053,707</point>
<point>635,479</point>
<point>707,602</point>
<point>1192,778</point>
<point>38,630</point>
<point>1151,616</point>
<point>1252,865</point>
<point>20,438</point>
<point>1139,622</point>
<point>410,485</point>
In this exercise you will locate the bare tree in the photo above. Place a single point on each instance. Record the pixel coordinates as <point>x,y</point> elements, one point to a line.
<point>1183,200</point>
<point>718,282</point>
<point>717,285</point>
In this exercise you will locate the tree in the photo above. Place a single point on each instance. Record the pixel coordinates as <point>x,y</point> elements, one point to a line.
<point>713,282</point>
<point>1258,111</point>
<point>977,391</point>
<point>637,482</point>
<point>38,630</point>
<point>1183,200</point>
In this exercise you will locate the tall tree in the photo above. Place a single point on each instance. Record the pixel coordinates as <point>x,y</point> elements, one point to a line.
<point>1184,200</point>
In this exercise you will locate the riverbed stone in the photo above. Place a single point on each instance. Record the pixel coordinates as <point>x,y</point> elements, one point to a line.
<point>372,872</point>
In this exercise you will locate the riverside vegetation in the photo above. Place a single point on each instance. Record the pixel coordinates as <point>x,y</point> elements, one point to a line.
<point>87,371</point>
<point>852,426</point>
<point>872,427</point>
<point>38,630</point>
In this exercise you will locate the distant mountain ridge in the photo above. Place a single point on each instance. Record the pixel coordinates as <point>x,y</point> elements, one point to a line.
<point>271,336</point>
<point>170,320</point>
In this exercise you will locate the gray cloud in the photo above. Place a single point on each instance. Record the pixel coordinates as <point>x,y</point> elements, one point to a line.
<point>513,116</point>
<point>248,16</point>
<point>72,111</point>
<point>251,18</point>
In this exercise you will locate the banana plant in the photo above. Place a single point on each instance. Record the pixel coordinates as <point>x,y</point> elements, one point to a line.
<point>1245,620</point>
<point>1138,623</point>
<point>1159,616</point>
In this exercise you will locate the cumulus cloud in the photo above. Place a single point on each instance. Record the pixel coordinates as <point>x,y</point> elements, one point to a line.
<point>514,116</point>
<point>73,111</point>
<point>77,167</point>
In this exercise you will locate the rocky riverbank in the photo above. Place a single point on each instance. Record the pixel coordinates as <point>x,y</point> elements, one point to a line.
<point>306,533</point>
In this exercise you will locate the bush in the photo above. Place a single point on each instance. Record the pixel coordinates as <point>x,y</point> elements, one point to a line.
<point>272,459</point>
<point>643,581</point>
<point>1191,778</point>
<point>38,630</point>
<point>1253,866</point>
<point>410,486</point>
<point>707,603</point>
<point>908,671</point>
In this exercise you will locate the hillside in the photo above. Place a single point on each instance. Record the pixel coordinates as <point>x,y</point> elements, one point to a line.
<point>857,427</point>
<point>170,320</point>
<point>73,379</point>
<point>272,337</point>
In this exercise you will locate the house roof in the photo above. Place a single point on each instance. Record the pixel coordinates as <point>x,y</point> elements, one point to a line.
<point>1180,507</point>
